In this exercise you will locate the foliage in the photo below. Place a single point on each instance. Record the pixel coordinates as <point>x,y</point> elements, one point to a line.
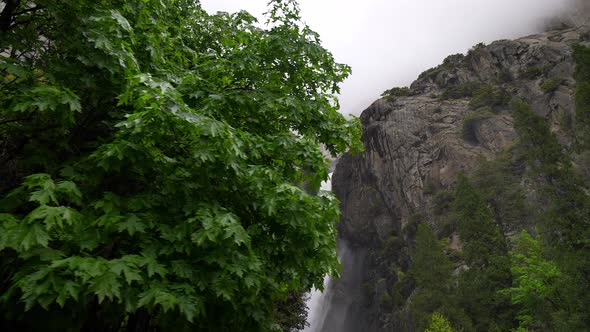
<point>472,52</point>
<point>291,313</point>
<point>582,58</point>
<point>489,96</point>
<point>458,91</point>
<point>431,272</point>
<point>438,323</point>
<point>543,149</point>
<point>551,84</point>
<point>155,155</point>
<point>534,286</point>
<point>486,255</point>
<point>564,223</point>
<point>442,201</point>
<point>533,72</point>
<point>450,62</point>
<point>470,122</point>
<point>499,181</point>
<point>396,92</point>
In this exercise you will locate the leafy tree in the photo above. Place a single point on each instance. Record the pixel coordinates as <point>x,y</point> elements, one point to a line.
<point>534,286</point>
<point>438,323</point>
<point>153,157</point>
<point>291,312</point>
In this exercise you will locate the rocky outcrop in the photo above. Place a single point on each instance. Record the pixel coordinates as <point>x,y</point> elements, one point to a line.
<point>418,143</point>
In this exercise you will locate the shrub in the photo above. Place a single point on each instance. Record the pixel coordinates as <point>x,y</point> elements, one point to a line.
<point>489,96</point>
<point>396,92</point>
<point>442,201</point>
<point>439,323</point>
<point>551,84</point>
<point>450,62</point>
<point>459,91</point>
<point>533,72</point>
<point>471,52</point>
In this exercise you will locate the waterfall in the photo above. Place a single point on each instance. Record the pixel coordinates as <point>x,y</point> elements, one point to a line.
<point>334,310</point>
<point>317,307</point>
<point>319,301</point>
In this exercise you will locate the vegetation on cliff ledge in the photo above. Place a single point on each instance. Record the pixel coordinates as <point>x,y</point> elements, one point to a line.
<point>535,281</point>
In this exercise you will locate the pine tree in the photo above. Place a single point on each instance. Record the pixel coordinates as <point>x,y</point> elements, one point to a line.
<point>487,262</point>
<point>431,271</point>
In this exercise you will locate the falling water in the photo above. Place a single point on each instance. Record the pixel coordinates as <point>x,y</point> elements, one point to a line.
<point>318,300</point>
<point>317,305</point>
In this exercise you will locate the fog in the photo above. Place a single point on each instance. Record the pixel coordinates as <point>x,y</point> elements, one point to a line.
<point>390,42</point>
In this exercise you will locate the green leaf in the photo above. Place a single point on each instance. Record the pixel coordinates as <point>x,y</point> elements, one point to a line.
<point>53,216</point>
<point>153,267</point>
<point>126,269</point>
<point>69,190</point>
<point>69,290</point>
<point>122,21</point>
<point>106,286</point>
<point>131,225</point>
<point>158,296</point>
<point>33,235</point>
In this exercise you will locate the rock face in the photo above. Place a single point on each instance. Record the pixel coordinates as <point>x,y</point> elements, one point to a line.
<point>420,142</point>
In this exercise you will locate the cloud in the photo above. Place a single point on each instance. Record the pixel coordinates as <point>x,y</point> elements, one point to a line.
<point>390,42</point>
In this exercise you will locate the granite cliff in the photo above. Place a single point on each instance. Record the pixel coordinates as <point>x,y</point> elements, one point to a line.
<point>417,141</point>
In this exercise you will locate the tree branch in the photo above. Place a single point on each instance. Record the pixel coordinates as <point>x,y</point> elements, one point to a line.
<point>32,9</point>
<point>14,120</point>
<point>7,14</point>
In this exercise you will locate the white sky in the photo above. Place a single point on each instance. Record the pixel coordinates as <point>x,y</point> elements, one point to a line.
<point>390,42</point>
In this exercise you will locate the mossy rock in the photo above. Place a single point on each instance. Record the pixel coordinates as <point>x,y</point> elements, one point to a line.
<point>471,121</point>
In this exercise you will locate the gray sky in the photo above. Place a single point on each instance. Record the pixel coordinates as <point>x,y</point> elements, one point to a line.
<point>390,42</point>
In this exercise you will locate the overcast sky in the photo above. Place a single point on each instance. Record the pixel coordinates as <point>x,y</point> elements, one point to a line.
<point>390,42</point>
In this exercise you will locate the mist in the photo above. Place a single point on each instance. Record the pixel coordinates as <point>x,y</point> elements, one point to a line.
<point>390,42</point>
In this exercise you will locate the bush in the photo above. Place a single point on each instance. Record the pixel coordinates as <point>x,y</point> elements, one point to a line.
<point>489,96</point>
<point>471,121</point>
<point>439,323</point>
<point>411,227</point>
<point>472,51</point>
<point>533,72</point>
<point>462,90</point>
<point>442,201</point>
<point>396,92</point>
<point>551,84</point>
<point>450,62</point>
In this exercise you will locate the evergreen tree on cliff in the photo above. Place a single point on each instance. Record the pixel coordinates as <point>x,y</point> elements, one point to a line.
<point>151,161</point>
<point>487,262</point>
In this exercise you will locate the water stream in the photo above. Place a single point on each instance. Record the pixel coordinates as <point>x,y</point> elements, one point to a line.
<point>336,309</point>
<point>319,301</point>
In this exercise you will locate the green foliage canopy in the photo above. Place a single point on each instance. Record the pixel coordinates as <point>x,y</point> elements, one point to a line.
<point>154,157</point>
<point>439,323</point>
<point>432,272</point>
<point>534,286</point>
<point>486,255</point>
